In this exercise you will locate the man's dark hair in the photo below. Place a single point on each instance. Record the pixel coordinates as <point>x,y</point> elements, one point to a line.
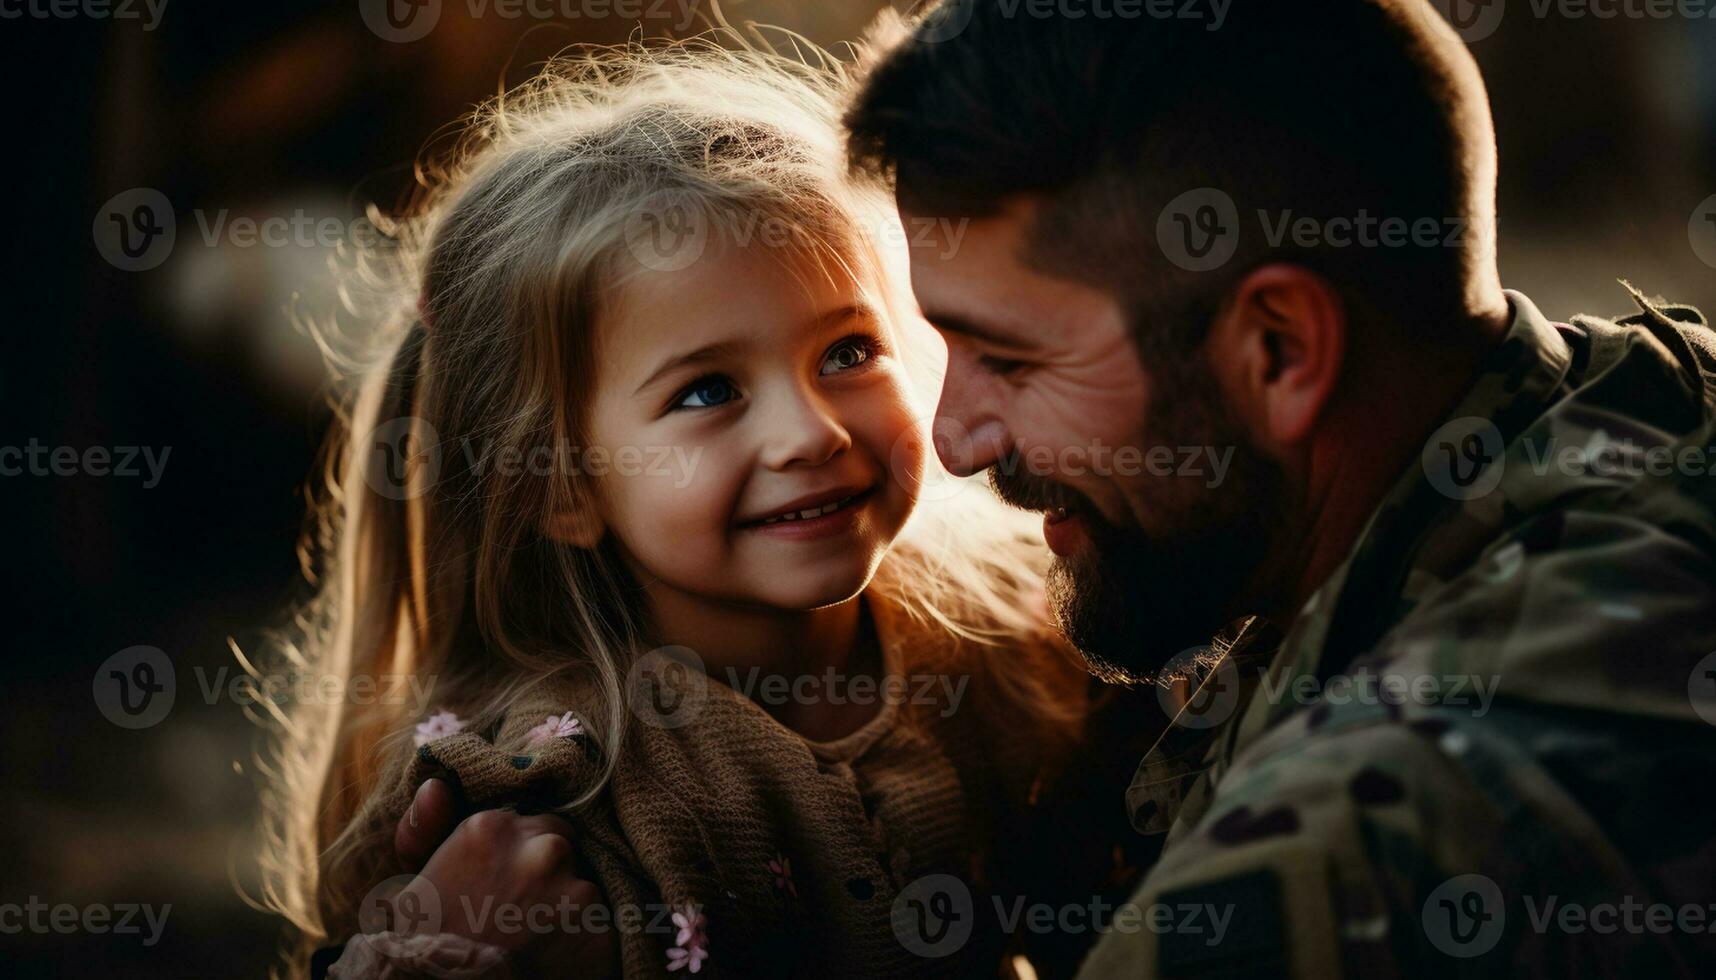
<point>1319,109</point>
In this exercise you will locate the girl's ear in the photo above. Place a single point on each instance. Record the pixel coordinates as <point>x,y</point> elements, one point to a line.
<point>580,527</point>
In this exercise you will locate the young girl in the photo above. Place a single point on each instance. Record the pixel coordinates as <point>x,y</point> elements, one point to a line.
<point>631,491</point>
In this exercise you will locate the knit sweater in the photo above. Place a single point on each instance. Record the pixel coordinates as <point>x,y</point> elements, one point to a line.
<point>890,852</point>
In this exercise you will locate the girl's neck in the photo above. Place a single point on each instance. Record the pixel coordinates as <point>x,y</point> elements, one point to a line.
<point>744,636</point>
<point>747,647</point>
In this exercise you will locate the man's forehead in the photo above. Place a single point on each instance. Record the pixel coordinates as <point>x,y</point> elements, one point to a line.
<point>969,271</point>
<point>995,235</point>
<point>984,287</point>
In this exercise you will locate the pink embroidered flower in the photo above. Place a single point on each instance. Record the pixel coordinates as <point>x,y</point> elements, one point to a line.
<point>439,725</point>
<point>691,958</point>
<point>564,726</point>
<point>689,922</point>
<point>782,867</point>
<point>692,945</point>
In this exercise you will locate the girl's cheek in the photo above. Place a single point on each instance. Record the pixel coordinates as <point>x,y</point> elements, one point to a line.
<point>682,493</point>
<point>652,491</point>
<point>909,435</point>
<point>898,442</point>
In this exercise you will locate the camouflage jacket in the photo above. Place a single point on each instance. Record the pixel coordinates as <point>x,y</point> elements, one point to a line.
<point>1487,745</point>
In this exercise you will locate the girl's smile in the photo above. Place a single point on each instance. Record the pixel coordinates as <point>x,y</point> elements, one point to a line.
<point>818,515</point>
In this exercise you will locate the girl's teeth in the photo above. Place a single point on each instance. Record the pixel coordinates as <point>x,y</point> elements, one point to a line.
<point>802,515</point>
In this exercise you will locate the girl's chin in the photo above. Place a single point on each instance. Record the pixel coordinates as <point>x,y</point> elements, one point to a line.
<point>817,595</point>
<point>812,585</point>
<point>784,583</point>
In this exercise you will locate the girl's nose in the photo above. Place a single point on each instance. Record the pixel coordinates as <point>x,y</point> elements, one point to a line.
<point>802,430</point>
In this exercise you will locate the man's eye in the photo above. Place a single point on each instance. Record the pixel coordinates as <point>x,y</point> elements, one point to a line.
<point>707,392</point>
<point>848,354</point>
<point>999,365</point>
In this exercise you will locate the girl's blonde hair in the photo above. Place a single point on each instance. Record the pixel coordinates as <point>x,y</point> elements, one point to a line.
<point>488,294</point>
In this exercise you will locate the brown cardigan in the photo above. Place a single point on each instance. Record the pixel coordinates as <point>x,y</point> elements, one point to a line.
<point>796,852</point>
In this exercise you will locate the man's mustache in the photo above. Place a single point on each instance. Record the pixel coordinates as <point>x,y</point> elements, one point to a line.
<point>1029,491</point>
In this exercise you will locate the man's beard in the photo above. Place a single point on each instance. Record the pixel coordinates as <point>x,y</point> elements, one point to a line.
<point>1135,599</point>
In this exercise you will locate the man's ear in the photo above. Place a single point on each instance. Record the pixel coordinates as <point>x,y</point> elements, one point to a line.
<point>580,527</point>
<point>1279,345</point>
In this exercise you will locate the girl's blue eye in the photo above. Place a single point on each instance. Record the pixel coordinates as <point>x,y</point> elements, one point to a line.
<point>848,354</point>
<point>707,392</point>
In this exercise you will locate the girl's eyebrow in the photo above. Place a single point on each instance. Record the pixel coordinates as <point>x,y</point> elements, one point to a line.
<point>728,348</point>
<point>842,314</point>
<point>708,352</point>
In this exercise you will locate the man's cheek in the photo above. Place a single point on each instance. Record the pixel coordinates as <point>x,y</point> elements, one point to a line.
<point>1053,436</point>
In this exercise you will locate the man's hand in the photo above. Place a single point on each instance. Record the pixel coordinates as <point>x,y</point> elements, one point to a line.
<point>506,880</point>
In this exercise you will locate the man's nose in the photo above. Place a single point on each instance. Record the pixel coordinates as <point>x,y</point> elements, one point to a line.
<point>966,451</point>
<point>803,430</point>
<point>966,443</point>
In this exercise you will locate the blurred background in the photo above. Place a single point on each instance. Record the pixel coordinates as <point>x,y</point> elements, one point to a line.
<point>303,112</point>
